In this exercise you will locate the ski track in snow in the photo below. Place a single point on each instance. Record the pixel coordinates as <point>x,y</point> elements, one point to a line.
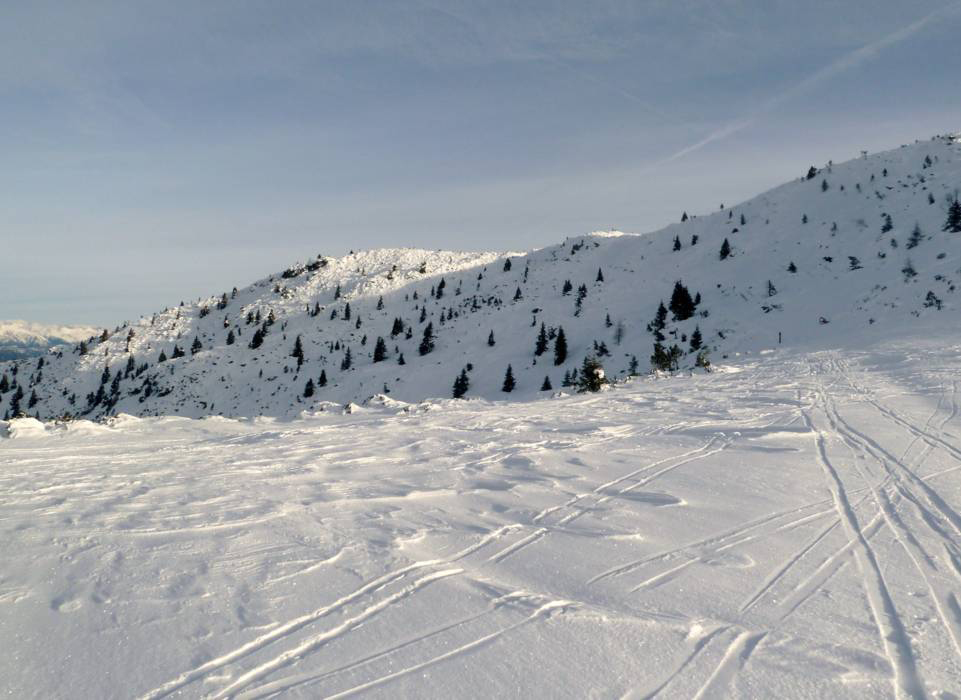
<point>788,530</point>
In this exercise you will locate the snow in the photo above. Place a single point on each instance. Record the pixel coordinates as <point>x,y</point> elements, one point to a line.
<point>25,339</point>
<point>737,317</point>
<point>791,529</point>
<point>787,525</point>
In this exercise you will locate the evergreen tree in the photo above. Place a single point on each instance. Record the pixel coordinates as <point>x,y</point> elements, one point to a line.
<point>401,360</point>
<point>380,303</point>
<point>309,389</point>
<point>771,290</point>
<point>461,384</point>
<point>694,239</point>
<point>427,342</point>
<point>682,306</point>
<point>566,289</point>
<point>546,386</point>
<point>916,237</point>
<point>888,223</point>
<point>423,314</point>
<point>804,218</point>
<point>632,366</point>
<point>4,384</point>
<point>540,347</point>
<point>600,275</point>
<point>380,350</point>
<point>725,250</point>
<point>322,380</point>
<point>592,375</point>
<point>659,322</point>
<point>953,223</point>
<point>683,217</point>
<point>298,352</point>
<point>509,382</point>
<point>337,293</point>
<point>231,338</point>
<point>83,347</point>
<point>517,295</point>
<point>507,265</point>
<point>257,340</point>
<point>177,352</point>
<point>792,267</point>
<point>812,173</point>
<point>196,346</point>
<point>397,328</point>
<point>660,358</point>
<point>490,339</point>
<point>17,398</point>
<point>696,339</point>
<point>824,185</point>
<point>162,358</point>
<point>347,311</point>
<point>33,399</point>
<point>348,360</point>
<point>677,244</point>
<point>702,359</point>
<point>560,347</point>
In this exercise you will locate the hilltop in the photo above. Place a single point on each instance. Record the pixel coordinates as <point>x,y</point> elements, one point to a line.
<point>845,253</point>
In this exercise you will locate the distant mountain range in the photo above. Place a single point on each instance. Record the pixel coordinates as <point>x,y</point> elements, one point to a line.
<point>23,339</point>
<point>845,252</point>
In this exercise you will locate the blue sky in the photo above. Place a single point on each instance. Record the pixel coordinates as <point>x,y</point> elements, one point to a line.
<point>154,152</point>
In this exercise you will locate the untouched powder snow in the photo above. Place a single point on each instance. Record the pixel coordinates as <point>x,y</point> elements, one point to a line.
<point>788,529</point>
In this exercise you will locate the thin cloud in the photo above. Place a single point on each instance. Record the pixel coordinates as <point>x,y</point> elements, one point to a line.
<point>842,64</point>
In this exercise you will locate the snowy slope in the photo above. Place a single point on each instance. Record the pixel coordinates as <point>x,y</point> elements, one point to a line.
<point>850,282</point>
<point>789,527</point>
<point>21,339</point>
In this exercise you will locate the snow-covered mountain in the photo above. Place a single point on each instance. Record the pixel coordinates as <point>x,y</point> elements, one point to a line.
<point>22,339</point>
<point>846,251</point>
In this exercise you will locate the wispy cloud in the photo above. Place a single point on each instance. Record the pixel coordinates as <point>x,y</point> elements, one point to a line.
<point>844,63</point>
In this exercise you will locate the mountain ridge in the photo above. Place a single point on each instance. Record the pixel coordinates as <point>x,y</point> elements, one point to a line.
<point>847,229</point>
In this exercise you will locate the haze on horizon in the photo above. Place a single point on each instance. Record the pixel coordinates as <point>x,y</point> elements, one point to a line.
<point>154,152</point>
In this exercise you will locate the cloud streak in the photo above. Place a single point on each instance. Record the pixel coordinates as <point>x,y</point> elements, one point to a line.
<point>833,69</point>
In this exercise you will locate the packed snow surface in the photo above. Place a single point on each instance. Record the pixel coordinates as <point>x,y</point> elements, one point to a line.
<point>788,528</point>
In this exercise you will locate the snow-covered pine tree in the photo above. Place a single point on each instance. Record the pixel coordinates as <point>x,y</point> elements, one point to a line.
<point>592,375</point>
